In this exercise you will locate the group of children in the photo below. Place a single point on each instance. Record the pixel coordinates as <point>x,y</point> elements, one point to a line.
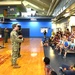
<point>64,45</point>
<point>62,42</point>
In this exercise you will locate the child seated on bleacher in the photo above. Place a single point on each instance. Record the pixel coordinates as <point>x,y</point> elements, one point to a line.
<point>66,46</point>
<point>72,45</point>
<point>59,46</point>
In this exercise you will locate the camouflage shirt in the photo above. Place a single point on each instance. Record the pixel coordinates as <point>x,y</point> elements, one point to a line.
<point>15,40</point>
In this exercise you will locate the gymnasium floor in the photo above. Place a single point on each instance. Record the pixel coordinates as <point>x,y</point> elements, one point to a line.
<point>31,61</point>
<point>58,60</point>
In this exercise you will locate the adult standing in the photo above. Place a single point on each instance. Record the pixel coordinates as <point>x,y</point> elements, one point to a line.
<point>19,33</point>
<point>6,35</point>
<point>45,34</point>
<point>15,45</point>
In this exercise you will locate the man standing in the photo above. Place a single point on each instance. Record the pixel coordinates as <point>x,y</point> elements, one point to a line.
<point>19,33</point>
<point>45,34</point>
<point>6,35</point>
<point>15,45</point>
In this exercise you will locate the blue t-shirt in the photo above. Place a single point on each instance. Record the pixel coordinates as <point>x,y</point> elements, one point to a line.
<point>66,44</point>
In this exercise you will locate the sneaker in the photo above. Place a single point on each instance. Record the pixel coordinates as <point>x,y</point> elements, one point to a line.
<point>64,56</point>
<point>13,64</point>
<point>19,56</point>
<point>60,67</point>
<point>59,53</point>
<point>16,66</point>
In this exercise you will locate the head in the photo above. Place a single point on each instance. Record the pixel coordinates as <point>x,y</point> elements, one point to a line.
<point>46,60</point>
<point>44,30</point>
<point>15,27</point>
<point>67,29</point>
<point>19,26</point>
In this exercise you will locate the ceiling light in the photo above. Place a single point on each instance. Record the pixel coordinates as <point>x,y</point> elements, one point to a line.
<point>66,14</point>
<point>33,19</point>
<point>12,19</point>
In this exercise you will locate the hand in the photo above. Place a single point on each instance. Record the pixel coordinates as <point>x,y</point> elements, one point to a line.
<point>20,36</point>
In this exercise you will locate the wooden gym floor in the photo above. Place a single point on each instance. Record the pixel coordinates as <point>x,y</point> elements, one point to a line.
<point>31,60</point>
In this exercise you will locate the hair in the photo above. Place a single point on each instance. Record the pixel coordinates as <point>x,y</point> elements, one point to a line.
<point>19,27</point>
<point>13,26</point>
<point>46,60</point>
<point>53,73</point>
<point>67,29</point>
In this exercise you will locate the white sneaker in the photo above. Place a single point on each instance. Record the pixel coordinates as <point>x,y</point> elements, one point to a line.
<point>64,56</point>
<point>59,53</point>
<point>60,67</point>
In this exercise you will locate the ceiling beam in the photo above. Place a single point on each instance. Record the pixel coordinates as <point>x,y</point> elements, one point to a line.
<point>57,1</point>
<point>47,2</point>
<point>30,5</point>
<point>39,4</point>
<point>52,7</point>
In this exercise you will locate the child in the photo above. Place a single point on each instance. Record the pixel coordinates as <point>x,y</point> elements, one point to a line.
<point>72,45</point>
<point>48,69</point>
<point>65,67</point>
<point>66,46</point>
<point>47,65</point>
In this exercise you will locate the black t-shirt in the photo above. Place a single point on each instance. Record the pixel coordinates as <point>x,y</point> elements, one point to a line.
<point>44,32</point>
<point>19,32</point>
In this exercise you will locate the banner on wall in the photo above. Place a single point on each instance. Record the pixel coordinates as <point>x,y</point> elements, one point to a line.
<point>43,29</point>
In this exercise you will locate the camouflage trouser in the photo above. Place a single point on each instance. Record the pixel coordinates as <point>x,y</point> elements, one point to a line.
<point>5,39</point>
<point>19,49</point>
<point>14,57</point>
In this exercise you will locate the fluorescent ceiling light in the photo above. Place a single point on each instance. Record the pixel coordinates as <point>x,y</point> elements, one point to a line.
<point>33,19</point>
<point>10,2</point>
<point>66,14</point>
<point>12,19</point>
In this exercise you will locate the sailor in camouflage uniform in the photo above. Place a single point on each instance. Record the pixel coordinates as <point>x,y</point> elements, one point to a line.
<point>6,35</point>
<point>15,45</point>
<point>19,33</point>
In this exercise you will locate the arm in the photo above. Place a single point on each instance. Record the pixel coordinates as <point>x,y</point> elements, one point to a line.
<point>15,38</point>
<point>47,71</point>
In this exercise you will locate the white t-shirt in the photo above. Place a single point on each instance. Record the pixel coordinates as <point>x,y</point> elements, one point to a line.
<point>0,36</point>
